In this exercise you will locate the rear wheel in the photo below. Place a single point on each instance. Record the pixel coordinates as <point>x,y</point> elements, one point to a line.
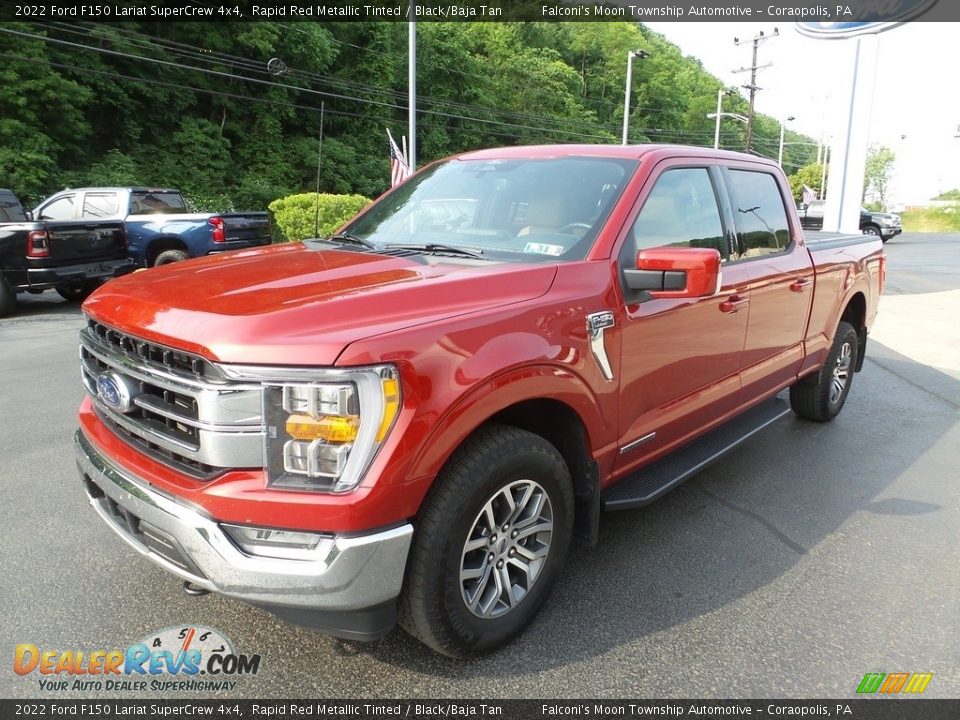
<point>78,292</point>
<point>821,396</point>
<point>489,544</point>
<point>170,256</point>
<point>8,298</point>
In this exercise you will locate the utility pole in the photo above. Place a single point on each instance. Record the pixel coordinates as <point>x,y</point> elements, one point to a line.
<point>758,40</point>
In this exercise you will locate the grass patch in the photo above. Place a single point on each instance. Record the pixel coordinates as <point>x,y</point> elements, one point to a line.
<point>942,219</point>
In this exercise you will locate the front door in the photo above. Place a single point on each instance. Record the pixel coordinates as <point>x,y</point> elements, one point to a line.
<point>680,357</point>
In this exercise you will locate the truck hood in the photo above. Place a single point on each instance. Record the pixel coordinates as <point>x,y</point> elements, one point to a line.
<point>292,305</point>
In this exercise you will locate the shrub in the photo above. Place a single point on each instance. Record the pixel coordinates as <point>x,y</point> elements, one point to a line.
<point>942,220</point>
<point>294,214</point>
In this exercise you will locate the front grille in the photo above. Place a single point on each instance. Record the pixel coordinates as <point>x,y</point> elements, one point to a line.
<point>134,348</point>
<point>175,407</point>
<point>159,409</point>
<point>197,470</point>
<point>141,531</point>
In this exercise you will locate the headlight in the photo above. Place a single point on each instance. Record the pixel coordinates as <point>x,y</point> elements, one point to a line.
<point>323,435</point>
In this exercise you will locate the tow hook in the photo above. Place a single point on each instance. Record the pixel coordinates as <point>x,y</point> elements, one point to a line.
<point>194,590</point>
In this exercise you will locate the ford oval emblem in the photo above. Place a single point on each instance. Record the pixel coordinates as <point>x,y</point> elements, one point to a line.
<point>115,391</point>
<point>882,16</point>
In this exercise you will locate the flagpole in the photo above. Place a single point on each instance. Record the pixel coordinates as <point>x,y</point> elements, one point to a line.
<point>412,87</point>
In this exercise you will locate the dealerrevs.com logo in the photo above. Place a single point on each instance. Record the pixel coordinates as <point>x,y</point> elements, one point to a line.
<point>191,658</point>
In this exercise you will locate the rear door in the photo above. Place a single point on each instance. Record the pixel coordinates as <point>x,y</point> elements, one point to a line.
<point>780,274</point>
<point>680,357</point>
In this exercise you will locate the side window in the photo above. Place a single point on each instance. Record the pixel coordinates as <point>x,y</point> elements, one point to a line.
<point>100,205</point>
<point>10,210</point>
<point>758,211</point>
<point>59,209</point>
<point>680,211</point>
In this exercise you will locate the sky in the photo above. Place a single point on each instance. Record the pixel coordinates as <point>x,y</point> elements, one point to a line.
<point>916,103</point>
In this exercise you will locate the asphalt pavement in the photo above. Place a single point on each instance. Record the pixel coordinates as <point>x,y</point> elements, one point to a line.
<point>807,558</point>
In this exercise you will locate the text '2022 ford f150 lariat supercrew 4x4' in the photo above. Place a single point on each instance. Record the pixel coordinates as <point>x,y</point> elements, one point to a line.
<point>414,419</point>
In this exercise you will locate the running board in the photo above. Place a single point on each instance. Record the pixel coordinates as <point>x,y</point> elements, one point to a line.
<point>652,481</point>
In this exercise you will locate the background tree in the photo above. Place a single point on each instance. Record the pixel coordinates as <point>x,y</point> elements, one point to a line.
<point>194,105</point>
<point>876,179</point>
<point>808,175</point>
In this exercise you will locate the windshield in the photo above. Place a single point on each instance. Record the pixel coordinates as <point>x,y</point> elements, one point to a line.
<point>516,210</point>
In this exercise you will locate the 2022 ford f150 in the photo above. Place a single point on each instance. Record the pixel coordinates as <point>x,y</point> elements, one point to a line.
<point>159,228</point>
<point>416,417</point>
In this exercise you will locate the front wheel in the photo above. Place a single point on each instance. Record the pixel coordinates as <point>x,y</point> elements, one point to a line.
<point>489,544</point>
<point>872,230</point>
<point>821,396</point>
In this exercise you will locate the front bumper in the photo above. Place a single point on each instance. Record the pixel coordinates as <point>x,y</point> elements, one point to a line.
<point>43,278</point>
<point>349,590</point>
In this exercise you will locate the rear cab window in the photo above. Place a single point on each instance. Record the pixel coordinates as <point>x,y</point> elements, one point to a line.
<point>146,202</point>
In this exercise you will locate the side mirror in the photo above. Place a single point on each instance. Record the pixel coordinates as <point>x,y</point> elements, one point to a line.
<point>676,272</point>
<point>29,215</point>
<point>803,206</point>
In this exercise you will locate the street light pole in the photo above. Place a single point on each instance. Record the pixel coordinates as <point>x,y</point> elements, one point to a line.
<point>412,91</point>
<point>780,153</point>
<point>716,129</point>
<point>719,114</point>
<point>626,99</point>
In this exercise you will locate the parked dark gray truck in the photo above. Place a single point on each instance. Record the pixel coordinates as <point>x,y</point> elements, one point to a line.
<point>882,225</point>
<point>73,257</point>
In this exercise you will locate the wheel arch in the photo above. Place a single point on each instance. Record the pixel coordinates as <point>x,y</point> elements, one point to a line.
<point>855,313</point>
<point>552,403</point>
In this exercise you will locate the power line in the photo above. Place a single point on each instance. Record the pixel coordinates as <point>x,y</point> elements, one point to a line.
<point>288,87</point>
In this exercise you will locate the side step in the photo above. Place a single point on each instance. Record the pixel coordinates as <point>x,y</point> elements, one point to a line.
<point>652,481</point>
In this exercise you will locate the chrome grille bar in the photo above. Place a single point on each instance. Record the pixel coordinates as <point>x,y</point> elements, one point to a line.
<point>199,421</point>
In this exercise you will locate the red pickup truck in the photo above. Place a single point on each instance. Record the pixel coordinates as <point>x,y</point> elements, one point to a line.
<point>414,419</point>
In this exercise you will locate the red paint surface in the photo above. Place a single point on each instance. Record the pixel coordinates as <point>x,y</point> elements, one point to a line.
<point>471,340</point>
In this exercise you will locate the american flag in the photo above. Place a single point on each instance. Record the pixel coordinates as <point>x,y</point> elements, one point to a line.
<point>809,194</point>
<point>399,167</point>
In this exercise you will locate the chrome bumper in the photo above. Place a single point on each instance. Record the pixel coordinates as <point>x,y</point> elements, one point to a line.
<point>349,573</point>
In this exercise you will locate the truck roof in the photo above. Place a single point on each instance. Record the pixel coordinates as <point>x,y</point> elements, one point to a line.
<point>115,188</point>
<point>614,151</point>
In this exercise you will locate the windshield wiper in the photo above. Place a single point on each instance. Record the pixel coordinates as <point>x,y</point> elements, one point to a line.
<point>351,239</point>
<point>441,249</point>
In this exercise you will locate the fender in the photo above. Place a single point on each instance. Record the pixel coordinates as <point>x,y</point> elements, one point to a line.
<point>855,280</point>
<point>530,382</point>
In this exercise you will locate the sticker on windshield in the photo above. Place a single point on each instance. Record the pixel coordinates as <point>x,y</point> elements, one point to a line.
<point>543,249</point>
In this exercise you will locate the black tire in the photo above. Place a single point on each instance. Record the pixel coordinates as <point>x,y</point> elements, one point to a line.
<point>814,397</point>
<point>873,230</point>
<point>170,256</point>
<point>433,604</point>
<point>77,293</point>
<point>8,298</point>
